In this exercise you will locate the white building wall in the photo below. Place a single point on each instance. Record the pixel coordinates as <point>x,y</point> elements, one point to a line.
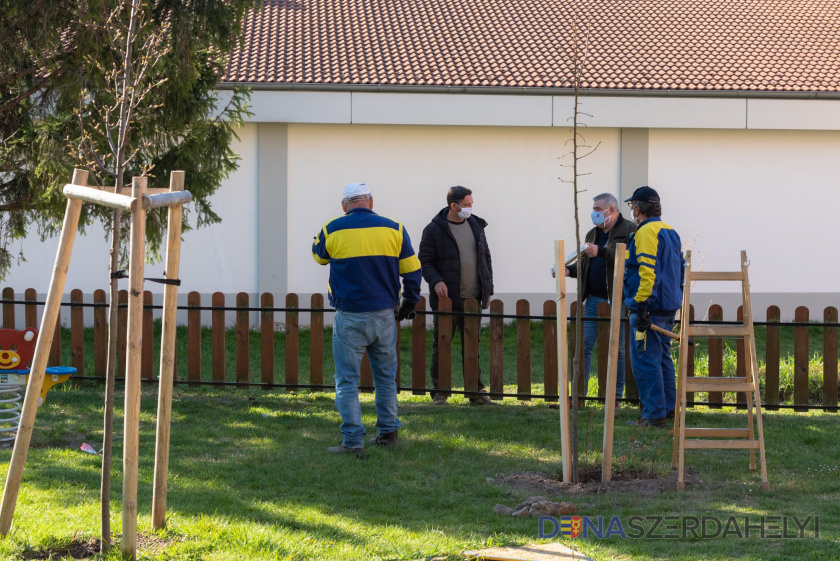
<point>760,175</point>
<point>513,172</point>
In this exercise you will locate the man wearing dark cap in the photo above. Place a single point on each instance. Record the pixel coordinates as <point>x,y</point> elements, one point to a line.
<point>653,281</point>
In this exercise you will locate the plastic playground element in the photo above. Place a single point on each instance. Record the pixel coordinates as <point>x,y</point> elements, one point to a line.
<point>16,350</point>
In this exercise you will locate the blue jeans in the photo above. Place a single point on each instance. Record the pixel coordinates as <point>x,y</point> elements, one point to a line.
<point>653,367</point>
<point>590,335</point>
<point>352,334</point>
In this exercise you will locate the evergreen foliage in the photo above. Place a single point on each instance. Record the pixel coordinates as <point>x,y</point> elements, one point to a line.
<point>55,61</point>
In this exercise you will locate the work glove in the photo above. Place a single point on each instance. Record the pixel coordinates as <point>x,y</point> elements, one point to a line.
<point>643,317</point>
<point>405,311</point>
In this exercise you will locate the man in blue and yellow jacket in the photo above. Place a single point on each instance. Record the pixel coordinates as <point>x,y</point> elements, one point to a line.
<point>367,255</point>
<point>653,281</point>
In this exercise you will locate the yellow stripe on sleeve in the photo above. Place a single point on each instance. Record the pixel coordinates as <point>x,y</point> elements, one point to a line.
<point>409,264</point>
<point>318,260</point>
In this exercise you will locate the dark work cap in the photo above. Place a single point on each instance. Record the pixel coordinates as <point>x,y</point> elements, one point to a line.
<point>643,195</point>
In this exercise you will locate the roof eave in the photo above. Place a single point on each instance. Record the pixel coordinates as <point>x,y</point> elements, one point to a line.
<point>497,90</point>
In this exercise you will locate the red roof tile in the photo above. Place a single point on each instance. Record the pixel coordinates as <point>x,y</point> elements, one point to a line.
<point>695,45</point>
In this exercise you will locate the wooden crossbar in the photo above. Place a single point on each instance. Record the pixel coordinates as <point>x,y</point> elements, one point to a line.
<point>717,433</point>
<point>98,197</point>
<point>692,444</point>
<point>722,331</point>
<point>709,438</point>
<point>701,384</point>
<point>725,276</point>
<point>168,198</point>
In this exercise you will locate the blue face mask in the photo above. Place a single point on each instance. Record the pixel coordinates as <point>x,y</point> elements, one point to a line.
<point>598,218</point>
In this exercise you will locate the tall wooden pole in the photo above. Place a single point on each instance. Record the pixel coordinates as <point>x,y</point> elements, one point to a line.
<point>167,355</point>
<point>612,363</point>
<point>42,350</point>
<point>131,430</point>
<point>563,359</point>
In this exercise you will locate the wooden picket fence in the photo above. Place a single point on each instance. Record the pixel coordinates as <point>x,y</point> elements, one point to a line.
<point>289,374</point>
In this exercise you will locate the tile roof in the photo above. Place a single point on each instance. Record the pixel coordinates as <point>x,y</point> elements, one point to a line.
<point>692,45</point>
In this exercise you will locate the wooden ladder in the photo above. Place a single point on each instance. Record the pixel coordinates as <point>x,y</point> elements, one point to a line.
<point>718,438</point>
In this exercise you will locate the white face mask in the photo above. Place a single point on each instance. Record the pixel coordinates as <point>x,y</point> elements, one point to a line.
<point>465,212</point>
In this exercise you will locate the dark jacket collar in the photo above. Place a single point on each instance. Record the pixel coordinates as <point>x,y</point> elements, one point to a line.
<point>359,209</point>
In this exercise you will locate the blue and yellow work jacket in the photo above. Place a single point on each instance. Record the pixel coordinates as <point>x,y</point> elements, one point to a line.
<point>367,254</point>
<point>654,268</point>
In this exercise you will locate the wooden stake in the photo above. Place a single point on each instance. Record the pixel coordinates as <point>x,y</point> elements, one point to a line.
<point>167,354</point>
<point>612,362</point>
<point>131,430</point>
<point>42,351</point>
<point>563,359</point>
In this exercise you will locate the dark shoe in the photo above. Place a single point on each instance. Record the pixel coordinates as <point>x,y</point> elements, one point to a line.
<point>387,440</point>
<point>650,423</point>
<point>670,415</point>
<point>439,399</point>
<point>482,399</point>
<point>342,449</point>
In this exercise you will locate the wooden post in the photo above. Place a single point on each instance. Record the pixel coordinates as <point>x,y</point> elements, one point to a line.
<point>740,364</point>
<point>122,331</point>
<point>39,362</point>
<point>523,350</point>
<point>444,346</point>
<point>218,337</point>
<point>612,362</point>
<point>830,358</point>
<point>147,367</point>
<point>550,351</point>
<point>316,342</point>
<point>715,356</point>
<point>267,337</point>
<point>131,430</point>
<point>292,347</point>
<point>77,332</point>
<point>497,348</point>
<point>243,340</point>
<point>603,311</point>
<point>194,337</point>
<point>563,359</point>
<point>771,377</point>
<point>471,326</point>
<point>30,313</point>
<point>100,333</point>
<point>9,308</point>
<point>800,359</point>
<point>167,354</point>
<point>418,349</point>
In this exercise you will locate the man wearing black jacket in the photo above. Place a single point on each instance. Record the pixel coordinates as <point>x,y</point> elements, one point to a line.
<point>596,265</point>
<point>456,263</point>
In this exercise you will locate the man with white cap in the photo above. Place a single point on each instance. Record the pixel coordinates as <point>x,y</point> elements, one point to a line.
<point>367,254</point>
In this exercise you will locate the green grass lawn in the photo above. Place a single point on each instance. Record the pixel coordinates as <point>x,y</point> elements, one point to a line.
<point>249,479</point>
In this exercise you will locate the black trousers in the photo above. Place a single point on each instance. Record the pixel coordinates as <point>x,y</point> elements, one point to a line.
<point>456,323</point>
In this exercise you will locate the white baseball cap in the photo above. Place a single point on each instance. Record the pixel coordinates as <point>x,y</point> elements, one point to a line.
<point>355,190</point>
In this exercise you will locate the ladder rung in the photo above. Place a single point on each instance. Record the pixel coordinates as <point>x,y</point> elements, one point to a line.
<point>718,385</point>
<point>722,444</point>
<point>709,432</point>
<point>712,276</point>
<point>718,331</point>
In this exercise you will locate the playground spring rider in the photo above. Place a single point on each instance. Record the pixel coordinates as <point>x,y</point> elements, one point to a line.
<point>16,350</point>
